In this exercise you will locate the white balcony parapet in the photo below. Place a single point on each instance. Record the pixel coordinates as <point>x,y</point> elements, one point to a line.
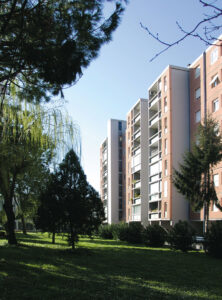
<point>154,119</point>
<point>136,218</point>
<point>137,185</point>
<point>136,201</point>
<point>137,134</point>
<point>153,101</point>
<point>154,216</point>
<point>136,168</point>
<point>154,139</point>
<point>136,119</point>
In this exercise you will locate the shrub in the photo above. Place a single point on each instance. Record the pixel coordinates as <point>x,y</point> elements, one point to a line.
<point>2,234</point>
<point>120,231</point>
<point>154,235</point>
<point>105,231</point>
<point>134,235</point>
<point>181,236</point>
<point>213,240</point>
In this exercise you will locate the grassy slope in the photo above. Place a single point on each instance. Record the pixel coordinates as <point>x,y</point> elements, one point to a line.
<point>102,269</point>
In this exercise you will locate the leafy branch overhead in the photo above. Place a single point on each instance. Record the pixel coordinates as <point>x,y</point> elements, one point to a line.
<point>45,45</point>
<point>207,29</point>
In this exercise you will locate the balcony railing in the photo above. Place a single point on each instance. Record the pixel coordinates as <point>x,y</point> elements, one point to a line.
<point>154,119</point>
<point>154,139</point>
<point>136,218</point>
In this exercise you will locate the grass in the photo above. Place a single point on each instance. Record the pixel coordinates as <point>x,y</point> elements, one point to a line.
<point>104,269</point>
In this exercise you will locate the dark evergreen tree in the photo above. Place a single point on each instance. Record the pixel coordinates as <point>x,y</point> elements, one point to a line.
<point>195,178</point>
<point>82,208</point>
<point>50,212</point>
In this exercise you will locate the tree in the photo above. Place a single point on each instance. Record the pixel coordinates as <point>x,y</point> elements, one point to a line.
<point>50,211</point>
<point>47,44</point>
<point>81,208</point>
<point>206,30</point>
<point>25,130</point>
<point>194,179</point>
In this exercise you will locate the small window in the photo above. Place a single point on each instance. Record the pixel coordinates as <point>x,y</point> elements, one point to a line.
<point>214,55</point>
<point>165,104</point>
<point>216,105</point>
<point>165,188</point>
<point>165,84</point>
<point>197,116</point>
<point>120,125</point>
<point>165,125</point>
<point>165,209</point>
<point>214,81</point>
<point>165,146</point>
<point>165,168</point>
<point>216,179</point>
<point>197,72</point>
<point>197,93</point>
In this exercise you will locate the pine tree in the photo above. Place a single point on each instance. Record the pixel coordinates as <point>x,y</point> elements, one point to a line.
<point>194,179</point>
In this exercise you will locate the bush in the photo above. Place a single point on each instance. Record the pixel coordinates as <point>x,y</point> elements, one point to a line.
<point>213,240</point>
<point>120,231</point>
<point>2,234</point>
<point>154,235</point>
<point>134,234</point>
<point>105,231</point>
<point>181,236</point>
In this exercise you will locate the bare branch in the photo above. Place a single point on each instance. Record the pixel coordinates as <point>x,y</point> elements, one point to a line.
<point>205,37</point>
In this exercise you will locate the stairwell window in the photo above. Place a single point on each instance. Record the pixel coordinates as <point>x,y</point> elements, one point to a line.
<point>165,188</point>
<point>214,55</point>
<point>165,84</point>
<point>197,93</point>
<point>216,179</point>
<point>197,116</point>
<point>214,81</point>
<point>165,104</point>
<point>197,72</point>
<point>215,105</point>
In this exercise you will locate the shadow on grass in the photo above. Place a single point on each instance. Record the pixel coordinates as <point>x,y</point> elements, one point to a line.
<point>101,273</point>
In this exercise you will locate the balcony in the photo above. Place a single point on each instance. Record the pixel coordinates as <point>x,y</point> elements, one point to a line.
<point>136,168</point>
<point>154,216</point>
<point>136,201</point>
<point>136,119</point>
<point>154,101</point>
<point>154,140</point>
<point>154,121</point>
<point>137,134</point>
<point>137,185</point>
<point>136,218</point>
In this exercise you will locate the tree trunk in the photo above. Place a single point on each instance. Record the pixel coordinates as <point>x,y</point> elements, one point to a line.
<point>23,225</point>
<point>10,221</point>
<point>53,237</point>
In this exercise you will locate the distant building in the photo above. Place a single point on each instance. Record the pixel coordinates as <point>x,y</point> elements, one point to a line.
<point>112,171</point>
<point>137,163</point>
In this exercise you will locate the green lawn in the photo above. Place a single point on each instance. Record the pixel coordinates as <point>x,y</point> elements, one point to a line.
<point>104,269</point>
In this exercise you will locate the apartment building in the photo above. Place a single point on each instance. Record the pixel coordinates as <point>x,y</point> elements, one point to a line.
<point>206,99</point>
<point>112,171</point>
<point>137,163</point>
<point>168,138</point>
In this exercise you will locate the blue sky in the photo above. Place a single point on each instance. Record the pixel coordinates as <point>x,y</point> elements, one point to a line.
<point>122,73</point>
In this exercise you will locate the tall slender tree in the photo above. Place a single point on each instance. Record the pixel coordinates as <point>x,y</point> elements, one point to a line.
<point>194,179</point>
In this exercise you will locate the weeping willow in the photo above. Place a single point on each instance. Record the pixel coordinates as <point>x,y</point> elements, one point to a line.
<point>26,128</point>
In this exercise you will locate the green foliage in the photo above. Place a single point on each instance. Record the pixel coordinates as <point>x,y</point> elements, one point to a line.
<point>105,231</point>
<point>213,239</point>
<point>120,231</point>
<point>154,235</point>
<point>69,202</point>
<point>181,236</point>
<point>135,232</point>
<point>47,44</point>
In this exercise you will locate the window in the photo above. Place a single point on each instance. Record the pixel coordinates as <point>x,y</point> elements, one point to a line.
<point>197,93</point>
<point>120,126</point>
<point>165,168</point>
<point>165,188</point>
<point>165,146</point>
<point>216,179</point>
<point>214,208</point>
<point>215,105</point>
<point>197,116</point>
<point>197,72</point>
<point>165,104</point>
<point>165,125</point>
<point>165,84</point>
<point>165,209</point>
<point>214,81</point>
<point>214,55</point>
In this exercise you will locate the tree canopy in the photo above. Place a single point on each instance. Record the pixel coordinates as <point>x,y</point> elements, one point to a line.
<point>47,44</point>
